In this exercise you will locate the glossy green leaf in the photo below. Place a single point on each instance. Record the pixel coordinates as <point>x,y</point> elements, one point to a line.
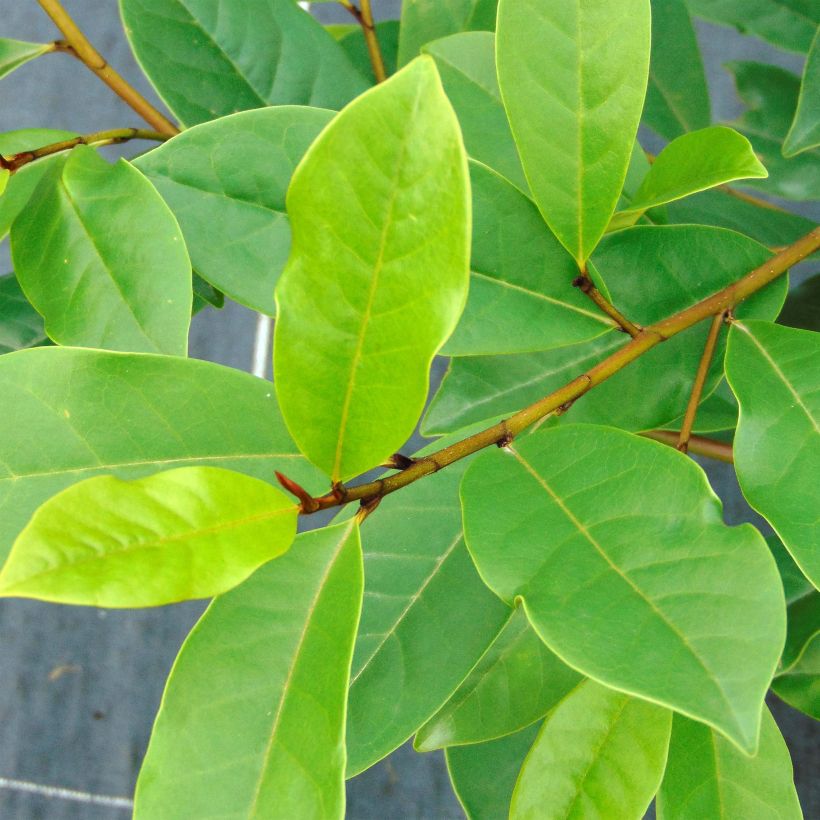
<point>805,130</point>
<point>521,298</point>
<point>573,78</point>
<point>677,97</point>
<point>427,617</point>
<point>774,374</point>
<point>226,182</point>
<point>789,24</point>
<point>80,413</point>
<point>209,58</point>
<point>478,388</point>
<point>20,324</point>
<point>516,682</point>
<point>423,21</point>
<point>800,686</point>
<point>771,94</point>
<point>568,522</point>
<point>601,753</point>
<point>466,63</point>
<point>101,257</point>
<point>14,53</point>
<point>486,797</point>
<point>706,776</point>
<point>252,720</point>
<point>377,276</point>
<point>716,412</point>
<point>354,44</point>
<point>802,308</point>
<point>187,533</point>
<point>691,163</point>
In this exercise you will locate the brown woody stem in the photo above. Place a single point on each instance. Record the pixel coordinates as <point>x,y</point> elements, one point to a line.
<point>584,283</point>
<point>364,17</point>
<point>700,446</point>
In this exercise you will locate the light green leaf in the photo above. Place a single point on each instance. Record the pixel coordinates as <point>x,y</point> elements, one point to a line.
<point>5,175</point>
<point>354,44</point>
<point>800,686</point>
<point>516,682</point>
<point>209,58</point>
<point>486,797</point>
<point>478,388</point>
<point>691,163</point>
<point>80,413</point>
<point>520,297</point>
<point>774,374</point>
<point>100,256</point>
<point>466,63</point>
<point>20,324</point>
<point>596,538</point>
<point>574,123</point>
<point>188,533</point>
<point>423,21</point>
<point>14,53</point>
<point>252,720</point>
<point>805,130</point>
<point>706,776</point>
<point>226,182</point>
<point>677,97</point>
<point>377,278</point>
<point>427,617</point>
<point>601,753</point>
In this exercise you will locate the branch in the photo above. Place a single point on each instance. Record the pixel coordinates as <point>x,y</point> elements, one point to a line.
<point>364,17</point>
<point>700,446</point>
<point>16,161</point>
<point>584,283</point>
<point>77,43</point>
<point>563,398</point>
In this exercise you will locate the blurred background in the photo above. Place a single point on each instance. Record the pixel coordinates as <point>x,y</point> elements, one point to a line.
<point>79,687</point>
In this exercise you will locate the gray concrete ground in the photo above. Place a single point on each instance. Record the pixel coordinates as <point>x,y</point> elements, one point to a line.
<point>79,687</point>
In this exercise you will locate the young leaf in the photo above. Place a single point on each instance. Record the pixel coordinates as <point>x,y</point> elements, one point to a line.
<point>520,295</point>
<point>601,753</point>
<point>573,78</point>
<point>466,63</point>
<point>252,721</point>
<point>209,58</point>
<point>516,682</point>
<point>773,372</point>
<point>226,182</point>
<point>79,413</point>
<point>706,776</point>
<point>692,163</point>
<point>483,797</point>
<point>677,97</point>
<point>805,130</point>
<point>598,539</point>
<point>187,533</point>
<point>20,324</point>
<point>378,272</point>
<point>14,53</point>
<point>101,257</point>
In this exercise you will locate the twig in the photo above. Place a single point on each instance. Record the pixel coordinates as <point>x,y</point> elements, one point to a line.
<point>364,17</point>
<point>77,44</point>
<point>700,446</point>
<point>584,283</point>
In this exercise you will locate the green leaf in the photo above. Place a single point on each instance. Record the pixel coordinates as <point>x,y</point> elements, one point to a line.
<point>800,686</point>
<point>377,278</point>
<point>355,46</point>
<point>773,372</point>
<point>691,163</point>
<point>188,533</point>
<point>206,295</point>
<point>805,130</point>
<point>788,24</point>
<point>478,388</point>
<point>677,97</point>
<point>100,256</point>
<point>253,718</point>
<point>14,53</point>
<point>795,584</point>
<point>708,777</point>
<point>427,617</point>
<point>80,413</point>
<point>596,538</point>
<point>423,21</point>
<point>804,627</point>
<point>564,107</point>
<point>466,63</point>
<point>20,324</point>
<point>483,797</point>
<point>516,682</point>
<point>802,308</point>
<point>520,297</point>
<point>599,754</point>
<point>5,175</point>
<point>226,182</point>
<point>716,413</point>
<point>209,58</point>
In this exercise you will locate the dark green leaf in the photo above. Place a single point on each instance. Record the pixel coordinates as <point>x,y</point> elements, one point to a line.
<point>800,686</point>
<point>354,44</point>
<point>802,308</point>
<point>805,130</point>
<point>20,324</point>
